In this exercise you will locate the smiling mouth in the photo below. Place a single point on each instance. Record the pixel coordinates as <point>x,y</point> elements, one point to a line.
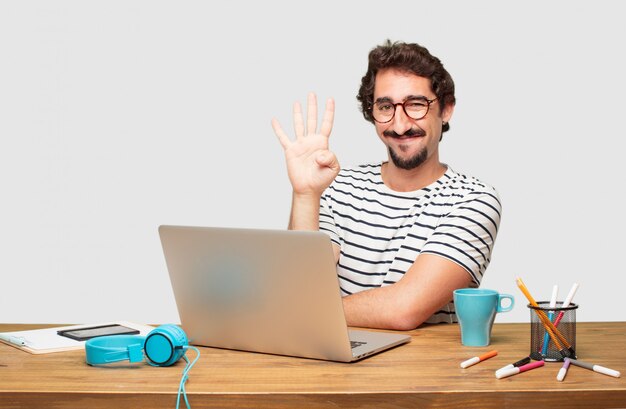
<point>405,137</point>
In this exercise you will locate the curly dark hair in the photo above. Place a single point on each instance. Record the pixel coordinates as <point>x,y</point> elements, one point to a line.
<point>411,58</point>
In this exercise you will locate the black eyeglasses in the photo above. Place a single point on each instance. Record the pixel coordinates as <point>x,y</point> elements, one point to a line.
<point>414,108</point>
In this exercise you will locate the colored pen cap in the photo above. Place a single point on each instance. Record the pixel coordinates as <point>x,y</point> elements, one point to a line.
<point>507,372</point>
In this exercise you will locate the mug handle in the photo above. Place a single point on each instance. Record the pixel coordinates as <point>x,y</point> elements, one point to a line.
<point>504,297</point>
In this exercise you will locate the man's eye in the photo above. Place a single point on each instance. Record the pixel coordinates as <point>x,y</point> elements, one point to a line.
<point>384,107</point>
<point>414,105</point>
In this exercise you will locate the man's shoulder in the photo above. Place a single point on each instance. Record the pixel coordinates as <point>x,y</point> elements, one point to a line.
<point>471,184</point>
<point>461,188</point>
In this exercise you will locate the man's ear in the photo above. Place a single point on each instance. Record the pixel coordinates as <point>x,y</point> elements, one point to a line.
<point>446,114</point>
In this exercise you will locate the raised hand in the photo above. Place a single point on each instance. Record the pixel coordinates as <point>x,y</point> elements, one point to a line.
<point>310,165</point>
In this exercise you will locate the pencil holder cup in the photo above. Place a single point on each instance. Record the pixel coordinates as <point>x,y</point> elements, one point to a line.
<point>552,342</point>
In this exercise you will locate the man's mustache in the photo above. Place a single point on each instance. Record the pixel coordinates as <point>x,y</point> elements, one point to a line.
<point>411,132</point>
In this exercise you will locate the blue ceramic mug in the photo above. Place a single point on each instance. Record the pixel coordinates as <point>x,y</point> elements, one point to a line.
<point>476,310</point>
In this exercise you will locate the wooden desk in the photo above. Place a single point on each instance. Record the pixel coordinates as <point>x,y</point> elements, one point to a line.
<point>424,374</point>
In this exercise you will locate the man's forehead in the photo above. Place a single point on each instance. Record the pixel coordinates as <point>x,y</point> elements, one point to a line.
<point>400,83</point>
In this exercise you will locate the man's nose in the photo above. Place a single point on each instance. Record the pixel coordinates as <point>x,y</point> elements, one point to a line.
<point>401,121</point>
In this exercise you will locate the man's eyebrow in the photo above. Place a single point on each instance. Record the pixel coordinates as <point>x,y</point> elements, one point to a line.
<point>382,99</point>
<point>415,97</point>
<point>408,97</point>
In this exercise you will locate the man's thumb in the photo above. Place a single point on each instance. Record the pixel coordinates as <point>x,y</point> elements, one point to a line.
<point>327,159</point>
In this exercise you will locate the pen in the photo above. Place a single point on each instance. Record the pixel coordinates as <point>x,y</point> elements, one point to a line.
<point>596,368</point>
<point>515,371</point>
<point>13,339</point>
<point>546,337</point>
<point>514,364</point>
<point>566,303</point>
<point>563,371</point>
<point>566,350</point>
<point>477,359</point>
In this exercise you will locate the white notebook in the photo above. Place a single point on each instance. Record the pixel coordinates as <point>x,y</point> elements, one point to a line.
<point>46,340</point>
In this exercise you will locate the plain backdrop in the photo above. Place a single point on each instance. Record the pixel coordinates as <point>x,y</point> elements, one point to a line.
<point>119,116</point>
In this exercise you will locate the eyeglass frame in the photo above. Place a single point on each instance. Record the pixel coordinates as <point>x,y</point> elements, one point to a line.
<point>395,107</point>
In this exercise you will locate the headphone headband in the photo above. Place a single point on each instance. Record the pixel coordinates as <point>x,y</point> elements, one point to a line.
<point>114,348</point>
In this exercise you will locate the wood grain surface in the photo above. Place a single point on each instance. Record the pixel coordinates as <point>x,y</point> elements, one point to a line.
<point>422,374</point>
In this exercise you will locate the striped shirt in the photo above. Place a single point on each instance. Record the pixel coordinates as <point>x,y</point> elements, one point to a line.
<point>381,232</point>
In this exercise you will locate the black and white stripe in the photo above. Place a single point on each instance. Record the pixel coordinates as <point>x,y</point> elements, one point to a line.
<point>382,232</point>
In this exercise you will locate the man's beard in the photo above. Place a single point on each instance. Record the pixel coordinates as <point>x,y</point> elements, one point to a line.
<point>415,160</point>
<point>410,163</point>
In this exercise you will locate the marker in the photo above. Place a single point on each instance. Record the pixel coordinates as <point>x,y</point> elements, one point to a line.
<point>546,337</point>
<point>563,371</point>
<point>596,368</point>
<point>566,303</point>
<point>570,295</point>
<point>515,371</point>
<point>477,359</point>
<point>514,364</point>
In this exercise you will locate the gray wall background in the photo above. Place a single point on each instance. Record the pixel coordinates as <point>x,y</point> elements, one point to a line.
<point>119,116</point>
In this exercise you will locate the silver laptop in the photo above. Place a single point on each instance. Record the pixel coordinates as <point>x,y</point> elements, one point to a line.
<point>269,291</point>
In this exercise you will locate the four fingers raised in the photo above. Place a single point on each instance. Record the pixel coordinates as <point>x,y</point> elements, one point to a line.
<point>311,120</point>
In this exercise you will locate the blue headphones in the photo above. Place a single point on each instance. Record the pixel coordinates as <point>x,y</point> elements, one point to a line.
<point>163,346</point>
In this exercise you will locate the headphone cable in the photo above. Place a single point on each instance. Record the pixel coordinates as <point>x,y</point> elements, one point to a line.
<point>185,376</point>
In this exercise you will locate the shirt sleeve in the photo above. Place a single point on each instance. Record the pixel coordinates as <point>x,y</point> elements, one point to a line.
<point>467,234</point>
<point>327,221</point>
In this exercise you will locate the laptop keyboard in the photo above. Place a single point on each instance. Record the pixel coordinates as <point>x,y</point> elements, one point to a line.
<point>354,344</point>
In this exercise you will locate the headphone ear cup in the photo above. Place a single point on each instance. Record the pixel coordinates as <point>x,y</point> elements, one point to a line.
<point>177,333</point>
<point>164,345</point>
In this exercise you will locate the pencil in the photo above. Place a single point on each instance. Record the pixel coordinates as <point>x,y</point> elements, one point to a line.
<point>565,349</point>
